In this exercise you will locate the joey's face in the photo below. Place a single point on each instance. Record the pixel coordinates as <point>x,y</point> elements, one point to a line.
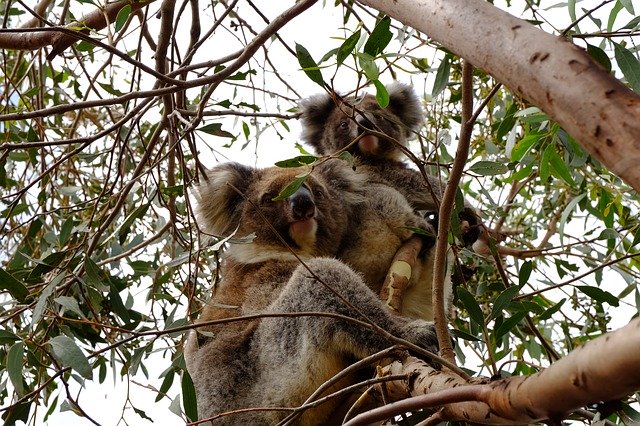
<point>363,116</point>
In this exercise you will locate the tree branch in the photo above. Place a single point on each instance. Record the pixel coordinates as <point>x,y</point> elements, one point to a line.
<point>577,380</point>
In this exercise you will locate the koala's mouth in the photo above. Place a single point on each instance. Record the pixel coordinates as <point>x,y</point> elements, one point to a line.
<point>303,232</point>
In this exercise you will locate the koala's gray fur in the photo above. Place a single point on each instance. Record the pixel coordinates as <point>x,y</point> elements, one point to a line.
<point>279,362</point>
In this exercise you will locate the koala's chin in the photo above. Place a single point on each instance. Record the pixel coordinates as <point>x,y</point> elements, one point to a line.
<point>303,233</point>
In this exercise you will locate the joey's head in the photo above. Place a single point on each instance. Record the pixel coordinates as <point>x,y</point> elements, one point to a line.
<point>330,124</point>
<point>311,221</point>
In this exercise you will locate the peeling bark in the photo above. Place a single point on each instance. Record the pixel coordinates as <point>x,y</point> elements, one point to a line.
<point>603,369</point>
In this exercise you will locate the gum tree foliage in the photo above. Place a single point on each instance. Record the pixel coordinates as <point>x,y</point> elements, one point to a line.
<point>103,268</point>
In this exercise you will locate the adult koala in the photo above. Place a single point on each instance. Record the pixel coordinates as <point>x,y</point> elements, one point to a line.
<point>279,361</point>
<point>375,135</point>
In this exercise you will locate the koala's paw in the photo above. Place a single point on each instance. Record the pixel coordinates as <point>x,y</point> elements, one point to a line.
<point>425,229</point>
<point>421,333</point>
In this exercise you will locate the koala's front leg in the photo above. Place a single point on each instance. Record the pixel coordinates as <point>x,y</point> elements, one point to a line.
<point>325,336</point>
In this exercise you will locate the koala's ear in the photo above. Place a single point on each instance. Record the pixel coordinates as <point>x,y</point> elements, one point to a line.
<point>342,176</point>
<point>315,112</point>
<point>404,103</point>
<point>219,205</point>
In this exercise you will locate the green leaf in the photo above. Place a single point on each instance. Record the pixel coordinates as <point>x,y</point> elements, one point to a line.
<point>215,129</point>
<point>525,273</point>
<point>290,189</point>
<point>65,230</point>
<point>70,355</point>
<point>8,282</point>
<point>166,385</point>
<point>503,300</point>
<point>471,305</point>
<point>599,56</point>
<point>46,265</point>
<point>308,65</point>
<point>300,160</point>
<point>617,7</point>
<point>508,324</point>
<point>545,163</point>
<point>95,277</point>
<point>347,47</point>
<point>489,168</point>
<point>368,65</point>
<point>69,304</point>
<point>629,65</point>
<point>523,146</point>
<point>560,167</point>
<point>599,295</point>
<point>189,397</point>
<point>552,310</point>
<point>465,336</point>
<point>15,367</point>
<point>379,38</point>
<point>382,96</point>
<point>135,214</point>
<point>442,76</point>
<point>121,18</point>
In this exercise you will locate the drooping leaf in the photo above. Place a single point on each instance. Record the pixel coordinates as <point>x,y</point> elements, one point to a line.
<point>308,65</point>
<point>368,65</point>
<point>508,324</point>
<point>347,47</point>
<point>552,310</point>
<point>599,294</point>
<point>121,18</point>
<point>70,355</point>
<point>382,95</point>
<point>189,397</point>
<point>15,367</point>
<point>523,146</point>
<point>471,305</point>
<point>215,129</point>
<point>599,56</point>
<point>525,273</point>
<point>442,76</point>
<point>17,290</point>
<point>290,189</point>
<point>629,65</point>
<point>379,38</point>
<point>502,301</point>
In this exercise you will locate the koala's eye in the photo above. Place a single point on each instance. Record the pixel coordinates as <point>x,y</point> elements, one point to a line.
<point>344,124</point>
<point>318,193</point>
<point>268,197</point>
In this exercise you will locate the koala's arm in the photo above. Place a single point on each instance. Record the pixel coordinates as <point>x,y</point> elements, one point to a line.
<point>304,293</point>
<point>422,194</point>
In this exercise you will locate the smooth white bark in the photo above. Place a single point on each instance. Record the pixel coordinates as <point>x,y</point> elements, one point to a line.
<point>597,110</point>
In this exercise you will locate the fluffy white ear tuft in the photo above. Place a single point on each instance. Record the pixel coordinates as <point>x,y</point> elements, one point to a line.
<point>218,202</point>
<point>404,103</point>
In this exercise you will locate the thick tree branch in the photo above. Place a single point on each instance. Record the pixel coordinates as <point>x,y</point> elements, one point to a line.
<point>96,20</point>
<point>577,380</point>
<point>545,69</point>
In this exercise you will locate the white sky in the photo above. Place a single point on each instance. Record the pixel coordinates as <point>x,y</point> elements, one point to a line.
<point>313,29</point>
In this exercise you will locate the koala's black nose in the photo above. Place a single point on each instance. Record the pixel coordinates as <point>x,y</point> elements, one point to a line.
<point>364,121</point>
<point>302,205</point>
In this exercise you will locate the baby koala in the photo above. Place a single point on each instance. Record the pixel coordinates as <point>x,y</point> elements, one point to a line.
<point>375,136</point>
<point>280,359</point>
